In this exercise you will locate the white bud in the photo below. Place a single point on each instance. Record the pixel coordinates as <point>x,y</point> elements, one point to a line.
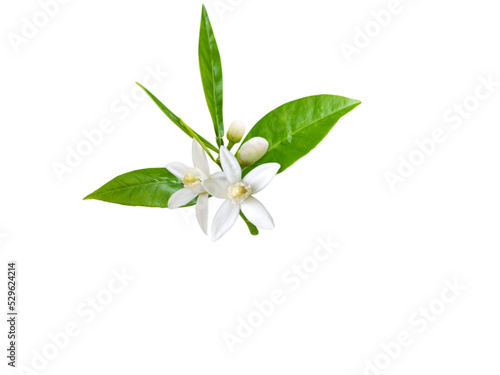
<point>236,131</point>
<point>252,150</point>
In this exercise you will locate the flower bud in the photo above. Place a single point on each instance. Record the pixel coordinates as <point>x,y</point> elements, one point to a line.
<point>236,131</point>
<point>252,151</point>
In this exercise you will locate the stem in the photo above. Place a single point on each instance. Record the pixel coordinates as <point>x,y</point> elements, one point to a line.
<point>230,145</point>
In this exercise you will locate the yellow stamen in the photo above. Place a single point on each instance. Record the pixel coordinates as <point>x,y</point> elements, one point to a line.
<point>190,178</point>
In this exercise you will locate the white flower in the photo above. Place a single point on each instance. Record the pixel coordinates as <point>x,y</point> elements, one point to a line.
<point>236,131</point>
<point>252,150</point>
<point>192,179</point>
<point>238,194</point>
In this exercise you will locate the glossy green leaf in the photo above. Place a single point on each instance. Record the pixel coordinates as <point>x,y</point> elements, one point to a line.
<point>254,231</point>
<point>145,187</point>
<point>211,74</point>
<point>176,120</point>
<point>295,128</point>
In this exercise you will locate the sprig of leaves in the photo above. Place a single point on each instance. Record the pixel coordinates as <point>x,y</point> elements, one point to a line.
<point>292,131</point>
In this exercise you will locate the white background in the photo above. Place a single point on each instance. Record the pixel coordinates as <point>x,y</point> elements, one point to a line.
<point>397,248</point>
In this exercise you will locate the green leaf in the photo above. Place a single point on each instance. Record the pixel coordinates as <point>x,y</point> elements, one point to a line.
<point>145,187</point>
<point>254,231</point>
<point>295,128</point>
<point>211,74</point>
<point>200,142</point>
<point>176,120</point>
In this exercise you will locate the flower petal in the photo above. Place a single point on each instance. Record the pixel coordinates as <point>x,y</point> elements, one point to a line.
<point>217,187</point>
<point>218,176</point>
<point>199,189</point>
<point>202,211</point>
<point>261,176</point>
<point>199,158</point>
<point>224,219</point>
<point>181,197</point>
<point>256,213</point>
<point>230,165</point>
<point>177,169</point>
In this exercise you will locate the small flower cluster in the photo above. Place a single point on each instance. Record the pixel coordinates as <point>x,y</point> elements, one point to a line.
<point>284,135</point>
<point>236,191</point>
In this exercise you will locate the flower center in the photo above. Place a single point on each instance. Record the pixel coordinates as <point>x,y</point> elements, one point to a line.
<point>192,178</point>
<point>189,178</point>
<point>239,192</point>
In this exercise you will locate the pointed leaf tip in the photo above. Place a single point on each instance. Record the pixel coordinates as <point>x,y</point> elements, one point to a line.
<point>297,127</point>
